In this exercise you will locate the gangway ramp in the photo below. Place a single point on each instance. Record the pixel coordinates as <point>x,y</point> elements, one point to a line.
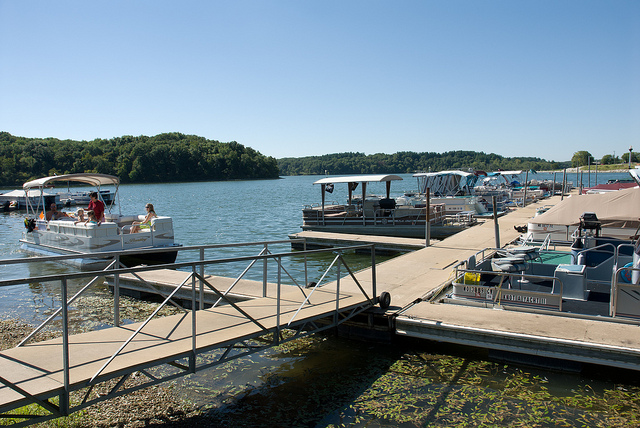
<point>36,372</point>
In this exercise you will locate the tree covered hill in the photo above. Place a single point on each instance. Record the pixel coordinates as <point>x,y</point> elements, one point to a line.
<point>166,157</point>
<point>407,162</point>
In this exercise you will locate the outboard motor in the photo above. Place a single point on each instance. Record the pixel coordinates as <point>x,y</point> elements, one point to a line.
<point>30,224</point>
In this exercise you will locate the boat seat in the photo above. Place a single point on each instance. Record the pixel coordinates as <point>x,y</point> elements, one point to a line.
<point>525,251</point>
<point>508,264</point>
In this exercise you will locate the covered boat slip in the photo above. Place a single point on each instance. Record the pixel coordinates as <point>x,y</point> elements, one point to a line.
<point>616,211</point>
<point>36,372</point>
<point>374,215</point>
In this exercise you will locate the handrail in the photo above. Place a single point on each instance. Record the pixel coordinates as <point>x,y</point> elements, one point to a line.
<point>614,288</point>
<point>115,270</point>
<point>511,275</point>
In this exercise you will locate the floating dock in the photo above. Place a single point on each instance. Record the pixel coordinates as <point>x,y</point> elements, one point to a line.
<point>384,244</point>
<point>412,278</point>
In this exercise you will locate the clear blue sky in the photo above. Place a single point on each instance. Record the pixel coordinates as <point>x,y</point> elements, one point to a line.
<point>543,78</point>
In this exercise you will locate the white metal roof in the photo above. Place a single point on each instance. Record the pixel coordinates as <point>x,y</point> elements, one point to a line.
<point>433,174</point>
<point>359,179</point>
<point>88,178</point>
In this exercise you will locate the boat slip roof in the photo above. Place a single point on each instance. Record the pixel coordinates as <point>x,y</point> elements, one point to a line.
<point>359,179</point>
<point>621,205</point>
<point>92,179</point>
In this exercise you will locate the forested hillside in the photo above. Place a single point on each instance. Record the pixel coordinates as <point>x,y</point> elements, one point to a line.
<point>162,158</point>
<point>407,162</point>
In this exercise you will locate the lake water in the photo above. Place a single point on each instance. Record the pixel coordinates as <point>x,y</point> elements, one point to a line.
<point>324,380</point>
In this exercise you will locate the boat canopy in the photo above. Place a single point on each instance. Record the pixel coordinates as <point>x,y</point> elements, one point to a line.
<point>447,183</point>
<point>635,174</point>
<point>88,178</point>
<point>611,207</point>
<point>359,179</point>
<point>326,184</point>
<point>96,180</point>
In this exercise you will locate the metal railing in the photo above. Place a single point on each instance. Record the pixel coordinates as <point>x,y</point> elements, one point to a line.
<point>195,282</point>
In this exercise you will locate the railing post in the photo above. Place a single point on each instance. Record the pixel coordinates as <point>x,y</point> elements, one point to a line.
<point>200,282</point>
<point>64,397</point>
<point>264,272</point>
<point>335,316</point>
<point>427,224</point>
<point>276,333</point>
<point>373,271</point>
<point>116,293</point>
<point>192,357</point>
<point>306,267</point>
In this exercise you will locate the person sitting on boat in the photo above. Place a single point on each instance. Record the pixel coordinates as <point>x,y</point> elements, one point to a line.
<point>91,219</point>
<point>54,214</point>
<point>97,206</point>
<point>146,223</point>
<point>79,215</point>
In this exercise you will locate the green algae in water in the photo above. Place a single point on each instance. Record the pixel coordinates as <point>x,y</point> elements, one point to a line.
<point>323,381</point>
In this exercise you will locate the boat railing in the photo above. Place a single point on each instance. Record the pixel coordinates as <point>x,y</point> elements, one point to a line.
<point>624,295</point>
<point>478,284</point>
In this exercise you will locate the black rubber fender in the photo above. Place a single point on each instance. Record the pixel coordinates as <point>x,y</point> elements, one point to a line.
<point>384,300</point>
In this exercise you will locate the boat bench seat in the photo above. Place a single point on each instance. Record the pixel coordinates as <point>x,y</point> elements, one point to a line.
<point>161,223</point>
<point>508,264</point>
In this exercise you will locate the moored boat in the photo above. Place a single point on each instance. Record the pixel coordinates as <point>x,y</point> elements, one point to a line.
<point>594,278</point>
<point>19,199</point>
<point>378,215</point>
<point>66,235</point>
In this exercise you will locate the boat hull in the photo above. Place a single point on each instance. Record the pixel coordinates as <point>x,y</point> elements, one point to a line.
<point>64,237</point>
<point>410,231</point>
<point>97,263</point>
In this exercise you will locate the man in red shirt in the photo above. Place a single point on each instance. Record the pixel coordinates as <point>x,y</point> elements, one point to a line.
<point>97,206</point>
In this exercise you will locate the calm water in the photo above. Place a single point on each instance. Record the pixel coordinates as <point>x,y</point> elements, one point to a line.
<point>323,380</point>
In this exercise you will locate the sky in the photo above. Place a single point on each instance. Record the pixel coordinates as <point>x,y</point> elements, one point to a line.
<point>293,78</point>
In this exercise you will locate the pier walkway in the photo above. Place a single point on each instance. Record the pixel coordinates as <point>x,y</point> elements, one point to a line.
<point>38,372</point>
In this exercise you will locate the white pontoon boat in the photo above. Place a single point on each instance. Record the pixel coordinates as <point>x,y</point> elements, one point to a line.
<point>66,236</point>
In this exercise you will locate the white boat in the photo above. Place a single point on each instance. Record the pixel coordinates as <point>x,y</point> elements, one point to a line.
<point>68,198</point>
<point>454,189</point>
<point>33,197</point>
<point>64,236</point>
<point>377,215</point>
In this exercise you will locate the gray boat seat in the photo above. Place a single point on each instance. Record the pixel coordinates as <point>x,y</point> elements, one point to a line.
<point>509,264</point>
<point>527,252</point>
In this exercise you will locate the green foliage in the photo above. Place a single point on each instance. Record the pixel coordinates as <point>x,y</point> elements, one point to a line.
<point>408,162</point>
<point>167,157</point>
<point>581,158</point>
<point>610,160</point>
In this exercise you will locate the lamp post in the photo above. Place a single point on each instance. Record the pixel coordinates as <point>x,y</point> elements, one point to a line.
<point>630,150</point>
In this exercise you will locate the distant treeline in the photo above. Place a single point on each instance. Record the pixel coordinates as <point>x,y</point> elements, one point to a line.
<point>167,157</point>
<point>408,162</point>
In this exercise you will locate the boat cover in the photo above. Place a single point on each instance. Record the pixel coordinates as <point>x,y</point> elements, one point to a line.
<point>96,180</point>
<point>611,208</point>
<point>359,179</point>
